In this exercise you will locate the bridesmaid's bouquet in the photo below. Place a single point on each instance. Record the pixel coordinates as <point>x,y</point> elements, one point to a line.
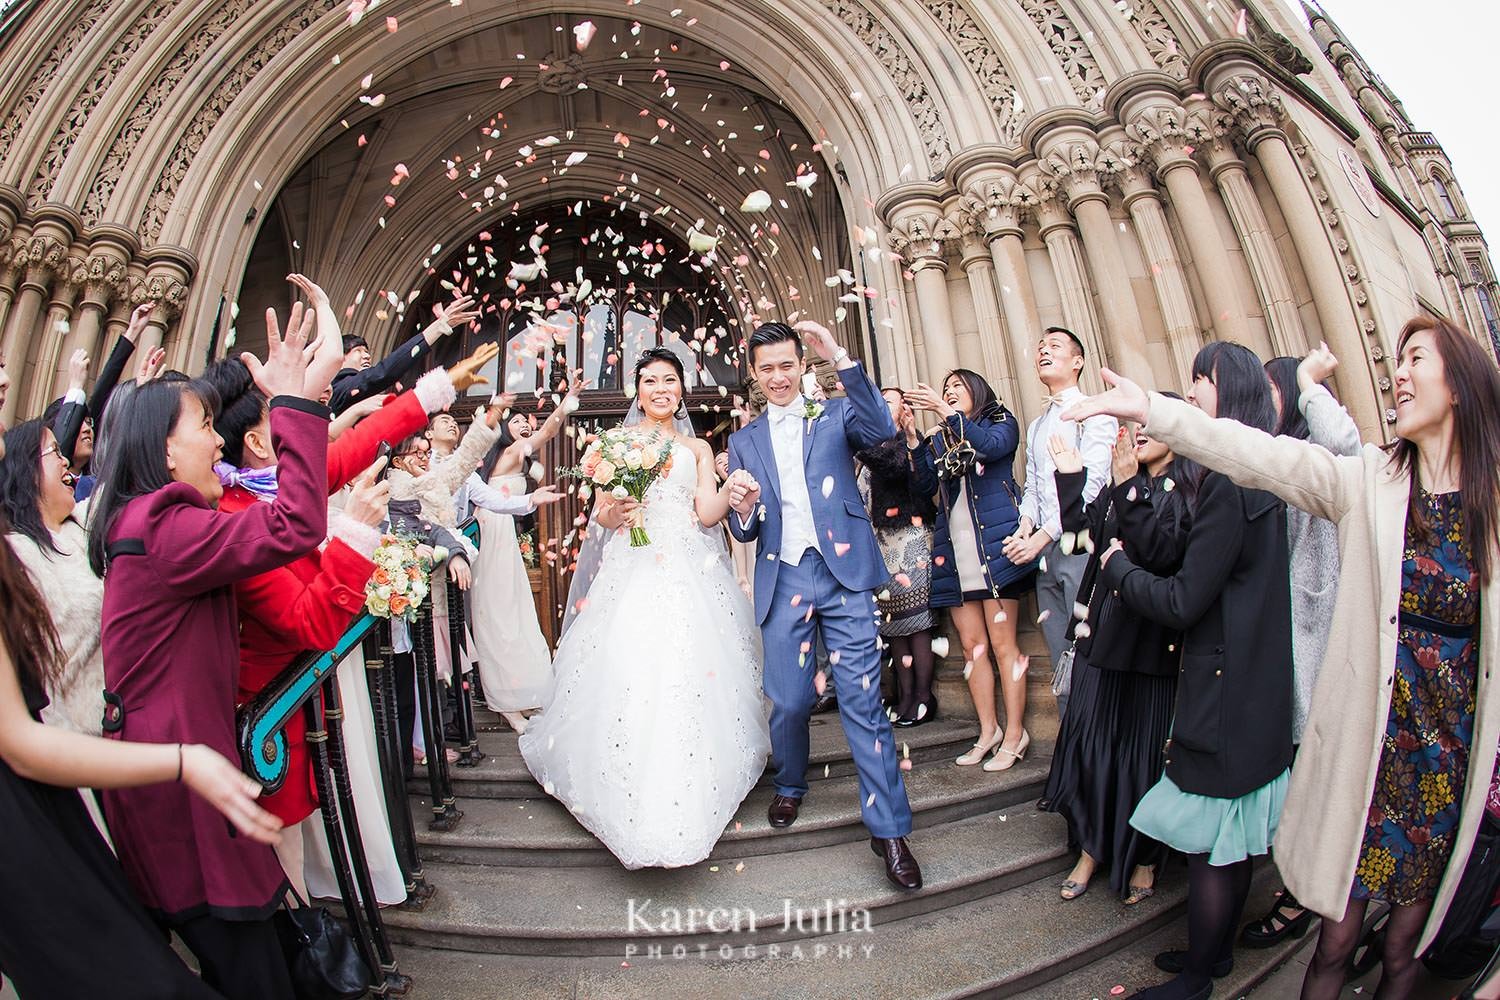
<point>400,582</point>
<point>625,461</point>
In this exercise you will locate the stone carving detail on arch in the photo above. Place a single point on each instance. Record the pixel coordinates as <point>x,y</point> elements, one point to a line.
<point>1160,39</point>
<point>47,70</point>
<point>902,71</point>
<point>1253,104</point>
<point>998,205</point>
<point>921,237</point>
<point>97,83</point>
<point>1071,50</point>
<point>994,80</point>
<point>154,216</point>
<point>151,101</point>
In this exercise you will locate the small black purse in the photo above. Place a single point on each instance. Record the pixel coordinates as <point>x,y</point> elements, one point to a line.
<point>321,953</point>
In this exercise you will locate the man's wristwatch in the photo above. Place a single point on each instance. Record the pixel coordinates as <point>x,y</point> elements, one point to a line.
<point>840,356</point>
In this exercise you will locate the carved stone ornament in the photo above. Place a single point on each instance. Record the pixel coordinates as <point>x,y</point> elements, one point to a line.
<point>1058,31</point>
<point>87,99</point>
<point>166,293</point>
<point>195,134</point>
<point>1252,102</point>
<point>150,104</point>
<point>1162,133</point>
<point>1161,41</point>
<point>561,74</point>
<point>920,237</point>
<point>47,70</point>
<point>994,206</point>
<point>969,38</point>
<point>1074,168</point>
<point>1282,50</point>
<point>902,70</point>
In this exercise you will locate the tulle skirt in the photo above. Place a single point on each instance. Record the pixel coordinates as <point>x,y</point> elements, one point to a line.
<point>1108,756</point>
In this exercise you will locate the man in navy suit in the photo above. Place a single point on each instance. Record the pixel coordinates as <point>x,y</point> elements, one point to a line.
<point>817,568</point>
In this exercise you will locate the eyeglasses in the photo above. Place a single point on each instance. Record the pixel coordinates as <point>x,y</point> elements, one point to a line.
<point>52,450</point>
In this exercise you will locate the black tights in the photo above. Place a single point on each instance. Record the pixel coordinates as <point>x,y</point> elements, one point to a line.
<point>914,683</point>
<point>1338,939</point>
<point>1216,897</point>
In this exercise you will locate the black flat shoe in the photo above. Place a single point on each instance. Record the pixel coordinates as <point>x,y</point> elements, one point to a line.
<point>1172,961</point>
<point>1277,926</point>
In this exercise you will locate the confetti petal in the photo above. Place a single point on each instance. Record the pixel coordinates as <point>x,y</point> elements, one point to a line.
<point>756,201</point>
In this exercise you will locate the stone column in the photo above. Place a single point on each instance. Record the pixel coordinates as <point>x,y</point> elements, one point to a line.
<point>1209,131</point>
<point>995,205</point>
<point>1257,110</point>
<point>48,358</point>
<point>12,243</point>
<point>1066,257</point>
<point>1144,205</point>
<point>1160,129</point>
<point>168,271</point>
<point>1072,159</point>
<point>989,355</point>
<point>35,280</point>
<point>918,231</point>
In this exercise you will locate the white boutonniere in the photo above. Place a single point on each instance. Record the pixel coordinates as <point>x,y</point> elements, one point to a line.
<point>812,409</point>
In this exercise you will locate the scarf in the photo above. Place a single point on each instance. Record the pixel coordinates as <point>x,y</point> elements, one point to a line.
<point>259,482</point>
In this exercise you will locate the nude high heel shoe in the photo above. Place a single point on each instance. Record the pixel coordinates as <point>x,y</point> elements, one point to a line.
<point>979,751</point>
<point>517,721</point>
<point>1005,759</point>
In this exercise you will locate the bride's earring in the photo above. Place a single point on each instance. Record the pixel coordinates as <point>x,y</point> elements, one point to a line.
<point>682,410</point>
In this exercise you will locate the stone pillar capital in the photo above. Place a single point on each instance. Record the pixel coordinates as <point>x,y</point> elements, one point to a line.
<point>1253,104</point>
<point>995,206</point>
<point>1162,132</point>
<point>1071,164</point>
<point>918,233</point>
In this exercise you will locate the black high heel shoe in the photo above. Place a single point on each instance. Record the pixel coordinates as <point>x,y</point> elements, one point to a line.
<point>906,722</point>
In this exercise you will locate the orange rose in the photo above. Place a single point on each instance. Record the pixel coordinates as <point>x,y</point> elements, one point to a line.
<point>381,577</point>
<point>399,605</point>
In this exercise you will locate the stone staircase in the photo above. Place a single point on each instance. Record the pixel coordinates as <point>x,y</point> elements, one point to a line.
<point>529,904</point>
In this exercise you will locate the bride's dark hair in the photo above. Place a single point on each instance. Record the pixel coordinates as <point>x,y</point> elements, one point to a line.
<point>651,355</point>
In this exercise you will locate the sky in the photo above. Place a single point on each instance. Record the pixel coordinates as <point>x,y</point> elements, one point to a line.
<point>1439,58</point>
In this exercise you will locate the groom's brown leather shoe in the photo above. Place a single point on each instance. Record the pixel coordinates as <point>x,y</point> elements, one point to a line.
<point>783,811</point>
<point>900,866</point>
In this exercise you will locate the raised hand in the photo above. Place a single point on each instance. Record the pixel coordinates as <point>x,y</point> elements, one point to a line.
<point>284,372</point>
<point>312,290</point>
<point>925,397</point>
<point>1319,364</point>
<point>327,348</point>
<point>818,338</point>
<point>466,372</point>
<point>744,492</point>
<point>1125,401</point>
<point>497,407</point>
<point>1065,457</point>
<point>223,786</point>
<point>459,312</point>
<point>1122,459</point>
<point>544,495</point>
<point>78,369</point>
<point>370,495</point>
<point>138,318</point>
<point>151,365</point>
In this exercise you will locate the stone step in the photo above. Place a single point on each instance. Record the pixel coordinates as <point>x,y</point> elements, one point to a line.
<point>540,832</point>
<point>770,898</point>
<point>1133,967</point>
<point>1012,943</point>
<point>502,774</point>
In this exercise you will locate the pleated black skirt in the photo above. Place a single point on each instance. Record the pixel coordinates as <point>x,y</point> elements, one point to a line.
<point>1108,756</point>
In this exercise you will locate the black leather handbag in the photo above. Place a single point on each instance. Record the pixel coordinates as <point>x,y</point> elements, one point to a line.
<point>321,953</point>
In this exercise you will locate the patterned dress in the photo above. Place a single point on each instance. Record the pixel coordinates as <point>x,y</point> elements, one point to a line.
<point>1418,796</point>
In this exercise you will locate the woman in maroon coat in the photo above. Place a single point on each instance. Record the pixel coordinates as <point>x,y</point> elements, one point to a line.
<point>170,639</point>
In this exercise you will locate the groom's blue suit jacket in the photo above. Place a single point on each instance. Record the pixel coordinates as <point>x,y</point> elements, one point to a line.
<point>859,421</point>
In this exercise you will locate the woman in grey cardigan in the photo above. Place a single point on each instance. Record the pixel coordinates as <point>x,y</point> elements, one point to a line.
<point>1308,412</point>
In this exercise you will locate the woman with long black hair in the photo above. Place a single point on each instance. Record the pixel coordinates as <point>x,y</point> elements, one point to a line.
<point>71,929</point>
<point>972,453</point>
<point>170,636</point>
<point>1226,762</point>
<point>1406,715</point>
<point>1108,753</point>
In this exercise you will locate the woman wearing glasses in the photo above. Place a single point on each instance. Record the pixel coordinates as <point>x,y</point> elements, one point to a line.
<point>973,453</point>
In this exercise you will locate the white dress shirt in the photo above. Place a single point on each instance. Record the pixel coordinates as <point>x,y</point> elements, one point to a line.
<point>798,533</point>
<point>1095,440</point>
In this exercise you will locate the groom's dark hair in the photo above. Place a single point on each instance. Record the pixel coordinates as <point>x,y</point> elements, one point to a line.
<point>771,333</point>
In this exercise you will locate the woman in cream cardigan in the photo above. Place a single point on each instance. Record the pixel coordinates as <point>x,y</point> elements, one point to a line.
<point>1388,790</point>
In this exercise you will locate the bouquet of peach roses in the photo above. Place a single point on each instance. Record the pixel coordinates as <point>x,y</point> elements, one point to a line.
<point>625,461</point>
<point>400,582</point>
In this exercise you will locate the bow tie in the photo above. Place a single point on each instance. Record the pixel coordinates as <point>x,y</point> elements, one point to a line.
<point>260,482</point>
<point>793,410</point>
<point>1051,401</point>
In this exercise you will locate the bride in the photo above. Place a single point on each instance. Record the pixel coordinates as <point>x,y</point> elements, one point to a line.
<point>654,728</point>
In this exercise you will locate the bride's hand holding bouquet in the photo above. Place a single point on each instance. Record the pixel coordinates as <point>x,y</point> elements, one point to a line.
<point>624,462</point>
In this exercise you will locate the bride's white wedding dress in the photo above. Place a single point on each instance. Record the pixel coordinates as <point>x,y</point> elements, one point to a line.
<point>655,726</point>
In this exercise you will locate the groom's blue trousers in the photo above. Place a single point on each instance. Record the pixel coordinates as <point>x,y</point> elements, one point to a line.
<point>848,622</point>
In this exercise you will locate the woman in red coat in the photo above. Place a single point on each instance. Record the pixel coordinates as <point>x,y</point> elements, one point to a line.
<point>308,604</point>
<point>170,640</point>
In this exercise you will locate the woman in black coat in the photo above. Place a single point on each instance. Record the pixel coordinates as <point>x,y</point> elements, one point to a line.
<point>1124,677</point>
<point>1226,766</point>
<point>973,452</point>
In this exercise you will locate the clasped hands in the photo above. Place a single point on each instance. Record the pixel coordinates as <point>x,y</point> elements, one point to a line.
<point>744,492</point>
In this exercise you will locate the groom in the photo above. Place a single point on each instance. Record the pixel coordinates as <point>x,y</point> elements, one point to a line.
<point>817,566</point>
